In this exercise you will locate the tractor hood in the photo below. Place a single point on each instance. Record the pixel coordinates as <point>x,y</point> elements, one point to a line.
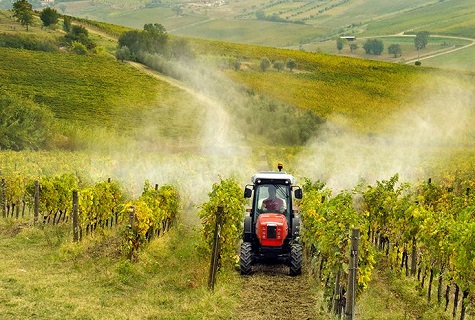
<point>271,229</point>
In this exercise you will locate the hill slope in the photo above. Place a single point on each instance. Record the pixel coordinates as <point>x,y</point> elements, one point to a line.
<point>358,94</point>
<point>352,95</point>
<point>316,20</point>
<point>305,25</point>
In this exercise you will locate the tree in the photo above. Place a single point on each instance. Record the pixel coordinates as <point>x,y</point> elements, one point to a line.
<point>367,46</point>
<point>265,64</point>
<point>278,64</point>
<point>24,124</point>
<point>291,64</point>
<point>340,43</point>
<point>181,50</point>
<point>123,53</point>
<point>421,39</point>
<point>395,49</point>
<point>378,47</point>
<point>153,39</point>
<point>236,64</point>
<point>22,10</point>
<point>373,46</point>
<point>67,23</point>
<point>260,15</point>
<point>155,29</point>
<point>49,16</point>
<point>78,48</point>
<point>178,10</point>
<point>353,47</point>
<point>81,35</point>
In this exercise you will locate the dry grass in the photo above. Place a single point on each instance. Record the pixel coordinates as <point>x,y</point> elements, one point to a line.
<point>44,275</point>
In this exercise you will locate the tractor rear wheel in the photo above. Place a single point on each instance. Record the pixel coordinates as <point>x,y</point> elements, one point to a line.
<point>245,258</point>
<point>296,259</point>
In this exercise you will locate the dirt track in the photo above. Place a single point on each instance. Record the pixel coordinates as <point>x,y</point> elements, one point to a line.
<point>270,293</point>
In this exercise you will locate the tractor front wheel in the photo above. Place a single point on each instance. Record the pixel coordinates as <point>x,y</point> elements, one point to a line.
<point>296,259</point>
<point>245,258</point>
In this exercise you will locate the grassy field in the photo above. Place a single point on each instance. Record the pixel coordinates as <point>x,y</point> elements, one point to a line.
<point>47,276</point>
<point>372,16</point>
<point>378,301</point>
<point>100,92</point>
<point>334,87</point>
<point>459,60</point>
<point>453,60</point>
<point>360,13</point>
<point>236,21</point>
<point>446,17</point>
<point>270,33</point>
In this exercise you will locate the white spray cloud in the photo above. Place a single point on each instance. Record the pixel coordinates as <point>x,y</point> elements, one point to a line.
<point>219,153</point>
<point>441,118</point>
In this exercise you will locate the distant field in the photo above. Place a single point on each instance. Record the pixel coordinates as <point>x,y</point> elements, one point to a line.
<point>256,32</point>
<point>364,11</point>
<point>137,18</point>
<point>460,60</point>
<point>455,17</point>
<point>409,52</point>
<point>236,21</point>
<point>374,17</point>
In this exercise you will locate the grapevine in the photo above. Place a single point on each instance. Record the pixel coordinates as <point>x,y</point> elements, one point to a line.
<point>153,213</point>
<point>327,222</point>
<point>229,196</point>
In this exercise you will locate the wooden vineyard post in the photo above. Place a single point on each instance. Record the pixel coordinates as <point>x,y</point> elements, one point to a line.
<point>36,202</point>
<point>3,198</point>
<point>75,217</point>
<point>215,251</point>
<point>414,257</point>
<point>352,275</point>
<point>336,303</point>
<point>132,236</point>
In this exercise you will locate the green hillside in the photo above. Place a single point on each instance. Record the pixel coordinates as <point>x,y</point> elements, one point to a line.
<point>218,114</point>
<point>98,91</point>
<point>455,18</point>
<point>317,19</point>
<point>306,25</point>
<point>94,92</point>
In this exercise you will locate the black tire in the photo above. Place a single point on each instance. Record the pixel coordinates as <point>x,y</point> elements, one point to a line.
<point>245,258</point>
<point>296,259</point>
<point>295,228</point>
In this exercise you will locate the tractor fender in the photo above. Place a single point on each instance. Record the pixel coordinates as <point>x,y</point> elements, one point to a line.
<point>247,228</point>
<point>295,227</point>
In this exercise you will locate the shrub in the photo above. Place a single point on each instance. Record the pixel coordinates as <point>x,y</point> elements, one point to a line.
<point>24,124</point>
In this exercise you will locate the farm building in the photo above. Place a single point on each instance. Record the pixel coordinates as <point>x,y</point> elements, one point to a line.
<point>349,38</point>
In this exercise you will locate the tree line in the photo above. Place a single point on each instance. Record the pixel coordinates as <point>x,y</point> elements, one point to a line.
<point>135,45</point>
<point>76,38</point>
<point>376,46</point>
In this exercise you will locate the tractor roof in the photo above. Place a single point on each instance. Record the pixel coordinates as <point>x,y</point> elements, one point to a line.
<point>274,177</point>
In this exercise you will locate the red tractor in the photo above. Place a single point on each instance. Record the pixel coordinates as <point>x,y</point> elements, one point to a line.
<point>271,225</point>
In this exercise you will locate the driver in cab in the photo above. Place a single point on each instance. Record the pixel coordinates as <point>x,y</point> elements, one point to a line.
<point>273,203</point>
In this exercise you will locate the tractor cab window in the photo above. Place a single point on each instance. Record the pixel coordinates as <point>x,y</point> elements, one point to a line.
<point>272,198</point>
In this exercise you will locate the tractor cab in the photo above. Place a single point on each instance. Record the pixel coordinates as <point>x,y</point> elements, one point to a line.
<point>271,225</point>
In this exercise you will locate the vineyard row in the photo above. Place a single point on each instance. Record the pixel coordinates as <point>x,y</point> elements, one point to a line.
<point>63,198</point>
<point>433,225</point>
